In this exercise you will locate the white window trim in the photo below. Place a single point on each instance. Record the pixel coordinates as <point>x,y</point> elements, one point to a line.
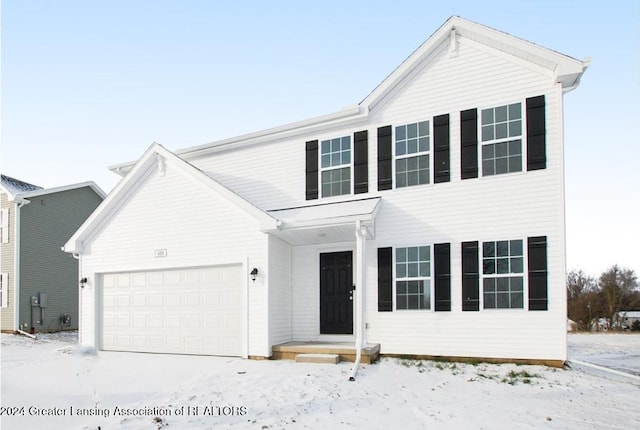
<point>4,288</point>
<point>4,225</point>
<point>431,278</point>
<point>525,271</point>
<point>523,137</point>
<point>415,154</point>
<point>325,169</point>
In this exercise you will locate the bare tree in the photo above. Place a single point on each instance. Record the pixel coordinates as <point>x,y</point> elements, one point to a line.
<point>618,288</point>
<point>583,301</point>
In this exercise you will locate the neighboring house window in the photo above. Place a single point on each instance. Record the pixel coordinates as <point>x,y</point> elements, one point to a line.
<point>335,166</point>
<point>502,139</point>
<point>412,149</point>
<point>4,289</point>
<point>413,277</point>
<point>4,225</point>
<point>503,274</point>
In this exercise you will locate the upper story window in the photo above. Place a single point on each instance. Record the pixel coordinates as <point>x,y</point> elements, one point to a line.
<point>502,139</point>
<point>413,277</point>
<point>503,274</point>
<point>335,166</point>
<point>412,149</point>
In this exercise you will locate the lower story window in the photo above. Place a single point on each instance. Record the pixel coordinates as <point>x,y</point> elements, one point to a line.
<point>413,277</point>
<point>503,274</point>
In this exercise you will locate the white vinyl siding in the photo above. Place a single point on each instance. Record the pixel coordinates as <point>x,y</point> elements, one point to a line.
<point>457,211</point>
<point>197,228</point>
<point>471,210</point>
<point>280,291</point>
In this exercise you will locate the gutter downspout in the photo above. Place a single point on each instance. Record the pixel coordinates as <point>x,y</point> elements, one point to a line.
<point>361,234</point>
<point>16,261</point>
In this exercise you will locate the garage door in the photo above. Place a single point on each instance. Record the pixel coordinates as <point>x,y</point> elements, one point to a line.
<point>186,311</point>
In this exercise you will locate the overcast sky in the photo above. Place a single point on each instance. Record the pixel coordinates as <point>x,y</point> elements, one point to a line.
<point>88,84</point>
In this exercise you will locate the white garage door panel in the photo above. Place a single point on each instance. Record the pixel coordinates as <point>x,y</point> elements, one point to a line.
<point>186,311</point>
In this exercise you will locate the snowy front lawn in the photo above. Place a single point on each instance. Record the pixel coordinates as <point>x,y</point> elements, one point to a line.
<point>50,383</point>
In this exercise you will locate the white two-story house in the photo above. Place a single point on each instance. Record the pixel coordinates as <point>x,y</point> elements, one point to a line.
<point>427,219</point>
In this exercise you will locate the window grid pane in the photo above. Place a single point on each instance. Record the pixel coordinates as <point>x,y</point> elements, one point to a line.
<point>500,261</point>
<point>503,157</point>
<point>334,155</point>
<point>413,272</point>
<point>412,171</point>
<point>412,146</point>
<point>501,132</point>
<point>336,182</point>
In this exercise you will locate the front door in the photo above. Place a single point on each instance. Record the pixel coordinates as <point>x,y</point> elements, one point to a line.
<point>336,301</point>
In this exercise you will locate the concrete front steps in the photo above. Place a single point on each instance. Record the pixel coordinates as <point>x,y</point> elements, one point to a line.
<point>318,358</point>
<point>345,351</point>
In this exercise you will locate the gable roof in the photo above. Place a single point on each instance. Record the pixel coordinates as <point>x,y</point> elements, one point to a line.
<point>20,190</point>
<point>45,191</point>
<point>563,69</point>
<point>155,158</point>
<point>15,186</point>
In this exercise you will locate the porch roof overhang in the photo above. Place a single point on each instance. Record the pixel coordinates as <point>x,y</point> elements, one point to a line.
<point>326,222</point>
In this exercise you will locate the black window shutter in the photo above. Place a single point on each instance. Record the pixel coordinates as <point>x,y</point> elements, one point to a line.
<point>312,170</point>
<point>442,256</point>
<point>536,134</point>
<point>384,158</point>
<point>470,277</point>
<point>360,162</point>
<point>385,279</point>
<point>469,143</point>
<point>537,259</point>
<point>441,149</point>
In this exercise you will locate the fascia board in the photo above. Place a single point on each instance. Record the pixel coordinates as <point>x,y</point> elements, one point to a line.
<point>352,114</point>
<point>518,47</point>
<point>407,66</point>
<point>112,202</point>
<point>90,184</point>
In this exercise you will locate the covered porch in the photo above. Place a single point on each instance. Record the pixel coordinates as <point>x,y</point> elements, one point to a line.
<point>328,282</point>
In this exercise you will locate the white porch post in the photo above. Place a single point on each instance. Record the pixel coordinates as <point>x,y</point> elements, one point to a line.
<point>361,236</point>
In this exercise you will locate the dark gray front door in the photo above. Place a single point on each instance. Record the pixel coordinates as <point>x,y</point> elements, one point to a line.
<point>336,283</point>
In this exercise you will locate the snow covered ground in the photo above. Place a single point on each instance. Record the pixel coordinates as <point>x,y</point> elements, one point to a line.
<point>50,383</point>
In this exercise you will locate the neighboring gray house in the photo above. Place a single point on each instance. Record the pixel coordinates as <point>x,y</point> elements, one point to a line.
<point>39,282</point>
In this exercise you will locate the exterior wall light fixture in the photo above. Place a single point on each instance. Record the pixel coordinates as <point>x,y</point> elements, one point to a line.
<point>254,274</point>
